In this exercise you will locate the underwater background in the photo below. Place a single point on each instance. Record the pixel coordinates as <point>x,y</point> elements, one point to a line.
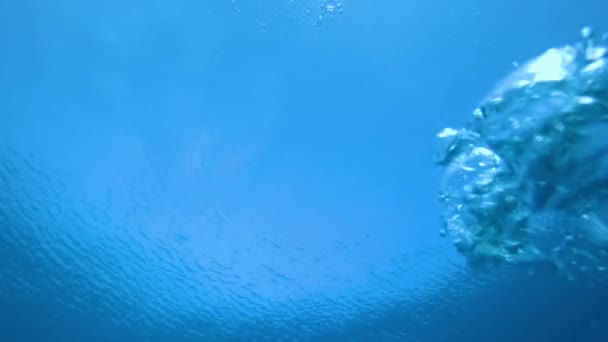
<point>259,171</point>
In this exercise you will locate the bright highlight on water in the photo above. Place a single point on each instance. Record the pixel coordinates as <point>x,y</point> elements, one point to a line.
<point>526,182</point>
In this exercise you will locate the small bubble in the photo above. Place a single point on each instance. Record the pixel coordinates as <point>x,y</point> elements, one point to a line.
<point>595,53</point>
<point>586,32</point>
<point>585,100</point>
<point>447,133</point>
<point>478,113</point>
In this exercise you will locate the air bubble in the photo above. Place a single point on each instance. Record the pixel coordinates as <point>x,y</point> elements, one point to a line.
<point>504,180</point>
<point>586,32</point>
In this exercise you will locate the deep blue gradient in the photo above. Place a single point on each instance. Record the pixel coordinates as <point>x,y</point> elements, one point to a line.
<point>246,170</point>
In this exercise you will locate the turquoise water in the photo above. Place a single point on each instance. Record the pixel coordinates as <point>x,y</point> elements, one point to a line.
<point>263,171</point>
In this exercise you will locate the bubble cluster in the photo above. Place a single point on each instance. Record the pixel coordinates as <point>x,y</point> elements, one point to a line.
<point>526,182</point>
<point>271,14</point>
<point>328,10</point>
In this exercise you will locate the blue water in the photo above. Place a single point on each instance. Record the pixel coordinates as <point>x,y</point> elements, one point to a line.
<point>259,171</point>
